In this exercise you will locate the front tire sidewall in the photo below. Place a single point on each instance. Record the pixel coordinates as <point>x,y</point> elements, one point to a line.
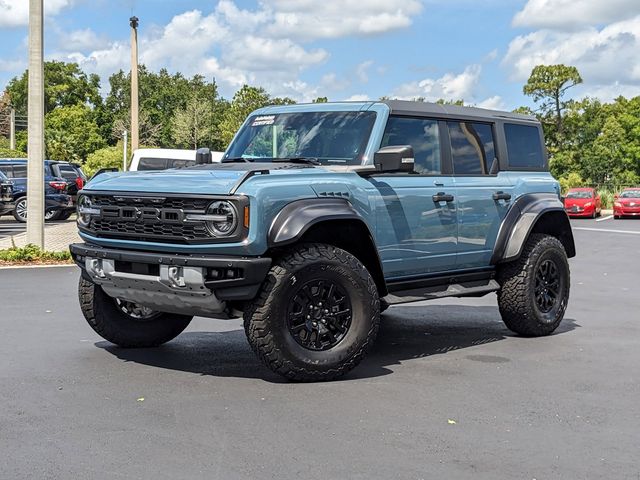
<point>19,218</point>
<point>112,324</point>
<point>360,321</point>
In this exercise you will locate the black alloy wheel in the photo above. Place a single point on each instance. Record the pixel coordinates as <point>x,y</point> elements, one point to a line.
<point>319,315</point>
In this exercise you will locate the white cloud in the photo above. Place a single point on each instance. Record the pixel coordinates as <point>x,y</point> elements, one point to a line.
<point>492,103</point>
<point>360,97</point>
<point>15,13</point>
<point>607,93</point>
<point>450,86</point>
<point>81,40</point>
<point>362,71</point>
<point>565,14</point>
<point>603,56</point>
<point>312,19</point>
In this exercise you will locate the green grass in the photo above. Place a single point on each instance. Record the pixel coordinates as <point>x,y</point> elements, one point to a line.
<point>32,254</point>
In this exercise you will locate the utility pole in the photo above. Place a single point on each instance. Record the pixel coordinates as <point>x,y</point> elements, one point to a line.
<point>133,21</point>
<point>124,153</point>
<point>12,129</point>
<point>35,165</point>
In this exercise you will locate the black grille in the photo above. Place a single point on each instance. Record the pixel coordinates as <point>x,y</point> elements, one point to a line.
<point>169,230</point>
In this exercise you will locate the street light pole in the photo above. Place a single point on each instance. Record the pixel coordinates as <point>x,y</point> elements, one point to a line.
<point>124,153</point>
<point>35,165</point>
<point>133,21</point>
<point>12,129</point>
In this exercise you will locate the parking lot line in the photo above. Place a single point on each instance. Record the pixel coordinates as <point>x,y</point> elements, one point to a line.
<point>606,230</point>
<point>608,217</point>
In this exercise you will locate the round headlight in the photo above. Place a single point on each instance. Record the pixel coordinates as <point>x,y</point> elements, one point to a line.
<point>222,218</point>
<point>84,210</point>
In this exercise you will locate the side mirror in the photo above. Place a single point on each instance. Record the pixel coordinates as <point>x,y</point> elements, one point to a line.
<point>203,156</point>
<point>395,159</point>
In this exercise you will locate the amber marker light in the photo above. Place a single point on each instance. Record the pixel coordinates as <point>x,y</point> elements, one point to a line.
<point>246,217</point>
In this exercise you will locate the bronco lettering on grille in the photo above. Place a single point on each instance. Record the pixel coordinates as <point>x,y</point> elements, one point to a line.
<point>143,214</point>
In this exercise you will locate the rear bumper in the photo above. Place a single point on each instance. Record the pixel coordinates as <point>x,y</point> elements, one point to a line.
<point>6,207</point>
<point>185,284</point>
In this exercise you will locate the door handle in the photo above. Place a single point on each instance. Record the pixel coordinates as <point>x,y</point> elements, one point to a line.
<point>442,197</point>
<point>501,196</point>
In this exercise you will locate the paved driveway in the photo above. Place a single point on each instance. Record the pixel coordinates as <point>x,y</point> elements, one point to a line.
<point>563,407</point>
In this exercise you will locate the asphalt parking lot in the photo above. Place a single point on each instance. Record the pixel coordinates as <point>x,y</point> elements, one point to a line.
<point>448,392</point>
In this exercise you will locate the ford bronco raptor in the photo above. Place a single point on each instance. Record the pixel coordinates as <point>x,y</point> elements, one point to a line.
<point>321,216</point>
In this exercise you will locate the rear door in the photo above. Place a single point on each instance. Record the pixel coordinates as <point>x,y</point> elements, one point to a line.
<point>416,214</point>
<point>483,194</point>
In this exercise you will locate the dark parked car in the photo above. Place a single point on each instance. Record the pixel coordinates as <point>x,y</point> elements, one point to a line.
<point>6,195</point>
<point>58,191</point>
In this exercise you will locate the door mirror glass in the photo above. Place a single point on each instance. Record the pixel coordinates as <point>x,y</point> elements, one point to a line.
<point>395,159</point>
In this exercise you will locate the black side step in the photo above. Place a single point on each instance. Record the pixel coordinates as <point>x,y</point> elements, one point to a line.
<point>473,285</point>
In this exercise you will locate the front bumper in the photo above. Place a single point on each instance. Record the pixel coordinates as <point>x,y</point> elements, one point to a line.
<point>185,284</point>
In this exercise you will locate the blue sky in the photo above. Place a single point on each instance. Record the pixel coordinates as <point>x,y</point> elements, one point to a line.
<point>481,52</point>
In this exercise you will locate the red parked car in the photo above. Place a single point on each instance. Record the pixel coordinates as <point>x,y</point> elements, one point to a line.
<point>583,202</point>
<point>627,203</point>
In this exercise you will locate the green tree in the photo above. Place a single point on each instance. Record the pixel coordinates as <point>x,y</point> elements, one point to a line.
<point>547,85</point>
<point>192,125</point>
<point>71,133</point>
<point>246,100</point>
<point>65,85</point>
<point>108,157</point>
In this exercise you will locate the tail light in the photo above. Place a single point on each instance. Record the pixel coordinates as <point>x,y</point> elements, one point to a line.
<point>60,186</point>
<point>79,183</point>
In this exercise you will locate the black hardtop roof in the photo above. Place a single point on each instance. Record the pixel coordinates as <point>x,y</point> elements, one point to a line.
<point>403,107</point>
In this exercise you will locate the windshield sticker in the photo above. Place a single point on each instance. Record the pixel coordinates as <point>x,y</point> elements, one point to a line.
<point>264,120</point>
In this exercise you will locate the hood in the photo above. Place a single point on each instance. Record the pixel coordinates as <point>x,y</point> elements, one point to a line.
<point>216,179</point>
<point>577,201</point>
<point>628,201</point>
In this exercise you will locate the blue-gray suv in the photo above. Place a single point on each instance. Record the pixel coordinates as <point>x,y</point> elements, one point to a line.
<point>320,217</point>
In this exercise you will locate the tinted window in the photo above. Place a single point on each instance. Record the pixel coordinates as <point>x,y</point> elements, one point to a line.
<point>6,169</point>
<point>181,163</point>
<point>472,147</point>
<point>422,134</point>
<point>19,171</point>
<point>524,146</point>
<point>68,172</point>
<point>152,164</point>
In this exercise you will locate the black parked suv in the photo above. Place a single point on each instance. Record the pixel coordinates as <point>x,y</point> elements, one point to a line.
<point>6,195</point>
<point>62,181</point>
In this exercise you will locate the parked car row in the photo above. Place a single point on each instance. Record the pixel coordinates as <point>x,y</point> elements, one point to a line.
<point>62,181</point>
<point>586,202</point>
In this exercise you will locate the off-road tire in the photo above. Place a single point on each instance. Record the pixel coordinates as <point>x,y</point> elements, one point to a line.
<point>517,299</point>
<point>112,324</point>
<point>266,323</point>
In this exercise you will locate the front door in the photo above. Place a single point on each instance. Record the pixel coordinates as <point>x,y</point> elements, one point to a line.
<point>416,213</point>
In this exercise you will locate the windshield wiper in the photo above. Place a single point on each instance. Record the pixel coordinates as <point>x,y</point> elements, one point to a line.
<point>307,160</point>
<point>236,160</point>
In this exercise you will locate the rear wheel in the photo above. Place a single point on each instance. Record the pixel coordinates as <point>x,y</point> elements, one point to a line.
<point>535,288</point>
<point>20,210</point>
<point>316,315</point>
<point>127,324</point>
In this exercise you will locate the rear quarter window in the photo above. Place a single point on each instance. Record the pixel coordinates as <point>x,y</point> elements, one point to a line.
<point>152,164</point>
<point>524,146</point>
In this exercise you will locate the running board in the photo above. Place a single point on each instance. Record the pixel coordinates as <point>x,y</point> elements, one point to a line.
<point>476,288</point>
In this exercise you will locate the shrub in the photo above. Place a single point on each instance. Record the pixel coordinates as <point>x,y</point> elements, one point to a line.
<point>32,253</point>
<point>109,157</point>
<point>8,153</point>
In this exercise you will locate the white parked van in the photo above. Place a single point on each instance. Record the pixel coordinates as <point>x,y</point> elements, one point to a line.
<point>165,158</point>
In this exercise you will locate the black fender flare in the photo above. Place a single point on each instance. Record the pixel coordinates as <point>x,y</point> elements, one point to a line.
<point>297,217</point>
<point>520,221</point>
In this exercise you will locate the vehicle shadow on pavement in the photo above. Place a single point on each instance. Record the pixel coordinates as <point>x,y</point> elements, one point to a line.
<point>406,333</point>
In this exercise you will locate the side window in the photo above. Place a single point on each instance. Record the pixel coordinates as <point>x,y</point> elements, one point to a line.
<point>422,134</point>
<point>152,164</point>
<point>7,170</point>
<point>176,163</point>
<point>19,171</point>
<point>524,146</point>
<point>472,147</point>
<point>67,172</point>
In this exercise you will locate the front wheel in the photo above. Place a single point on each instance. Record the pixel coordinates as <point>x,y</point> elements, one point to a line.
<point>20,210</point>
<point>535,288</point>
<point>316,315</point>
<point>125,323</point>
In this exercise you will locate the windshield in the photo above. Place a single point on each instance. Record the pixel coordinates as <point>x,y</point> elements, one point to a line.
<point>580,194</point>
<point>331,138</point>
<point>630,194</point>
